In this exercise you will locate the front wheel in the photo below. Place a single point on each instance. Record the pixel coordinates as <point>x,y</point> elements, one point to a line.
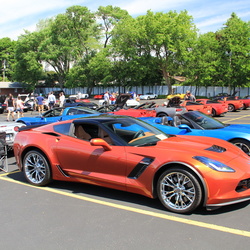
<point>36,168</point>
<point>179,190</point>
<point>244,145</point>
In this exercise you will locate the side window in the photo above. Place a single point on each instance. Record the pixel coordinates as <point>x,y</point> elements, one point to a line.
<point>63,128</point>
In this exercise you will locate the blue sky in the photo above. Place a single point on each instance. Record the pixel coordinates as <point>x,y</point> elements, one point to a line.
<point>19,15</point>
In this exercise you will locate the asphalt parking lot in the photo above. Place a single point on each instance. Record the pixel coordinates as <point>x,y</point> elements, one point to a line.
<point>80,216</point>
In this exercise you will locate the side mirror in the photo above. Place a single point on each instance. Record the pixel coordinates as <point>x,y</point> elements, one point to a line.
<point>100,142</point>
<point>186,127</point>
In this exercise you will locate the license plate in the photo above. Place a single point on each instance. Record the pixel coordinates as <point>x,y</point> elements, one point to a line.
<point>8,137</point>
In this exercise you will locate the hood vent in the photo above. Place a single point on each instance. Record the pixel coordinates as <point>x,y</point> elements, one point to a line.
<point>216,148</point>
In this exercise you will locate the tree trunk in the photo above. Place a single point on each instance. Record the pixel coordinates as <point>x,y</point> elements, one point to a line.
<point>166,76</point>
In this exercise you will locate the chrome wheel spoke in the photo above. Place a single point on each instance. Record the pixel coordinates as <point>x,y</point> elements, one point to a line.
<point>177,190</point>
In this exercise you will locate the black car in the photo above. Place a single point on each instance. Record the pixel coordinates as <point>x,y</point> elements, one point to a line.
<point>2,108</point>
<point>74,103</point>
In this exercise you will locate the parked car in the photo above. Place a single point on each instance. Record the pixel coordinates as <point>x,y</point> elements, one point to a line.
<point>120,108</point>
<point>11,129</point>
<point>148,96</point>
<point>79,96</point>
<point>204,108</point>
<point>218,108</point>
<point>195,123</point>
<point>57,114</point>
<point>127,154</point>
<point>2,108</point>
<point>73,103</point>
<point>130,102</point>
<point>99,96</point>
<point>245,101</point>
<point>162,110</point>
<point>233,105</point>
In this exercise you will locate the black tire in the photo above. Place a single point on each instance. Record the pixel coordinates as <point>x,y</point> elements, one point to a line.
<point>161,114</point>
<point>244,145</point>
<point>179,190</point>
<point>231,108</point>
<point>214,113</point>
<point>36,168</point>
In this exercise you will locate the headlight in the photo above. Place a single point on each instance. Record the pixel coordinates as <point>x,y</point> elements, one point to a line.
<point>215,165</point>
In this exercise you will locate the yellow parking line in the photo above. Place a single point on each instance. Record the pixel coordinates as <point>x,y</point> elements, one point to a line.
<point>137,210</point>
<point>236,118</point>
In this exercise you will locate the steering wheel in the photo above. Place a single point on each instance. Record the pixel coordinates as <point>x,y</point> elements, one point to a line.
<point>139,133</point>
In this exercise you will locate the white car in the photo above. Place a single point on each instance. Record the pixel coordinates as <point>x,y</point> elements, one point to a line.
<point>11,129</point>
<point>129,103</point>
<point>79,96</point>
<point>148,96</point>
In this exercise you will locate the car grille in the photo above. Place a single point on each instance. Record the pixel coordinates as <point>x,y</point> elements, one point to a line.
<point>243,185</point>
<point>217,149</point>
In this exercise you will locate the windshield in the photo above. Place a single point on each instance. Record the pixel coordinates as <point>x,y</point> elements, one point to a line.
<point>135,132</point>
<point>204,121</point>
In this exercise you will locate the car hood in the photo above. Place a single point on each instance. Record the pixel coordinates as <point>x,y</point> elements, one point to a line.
<point>238,128</point>
<point>213,148</point>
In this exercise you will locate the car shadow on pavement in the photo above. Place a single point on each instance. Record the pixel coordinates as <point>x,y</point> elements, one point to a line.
<point>117,196</point>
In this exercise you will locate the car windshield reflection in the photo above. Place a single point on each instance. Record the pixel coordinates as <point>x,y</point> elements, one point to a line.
<point>134,132</point>
<point>204,121</point>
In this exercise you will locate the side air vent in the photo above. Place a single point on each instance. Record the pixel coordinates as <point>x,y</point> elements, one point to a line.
<point>140,168</point>
<point>216,149</point>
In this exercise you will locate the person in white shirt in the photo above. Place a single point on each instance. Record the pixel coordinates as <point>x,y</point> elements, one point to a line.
<point>51,100</point>
<point>61,99</point>
<point>106,98</point>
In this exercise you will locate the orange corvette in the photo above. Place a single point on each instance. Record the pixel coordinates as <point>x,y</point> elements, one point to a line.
<point>195,106</point>
<point>124,153</point>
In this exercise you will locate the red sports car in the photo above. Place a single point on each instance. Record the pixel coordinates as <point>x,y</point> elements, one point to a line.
<point>233,104</point>
<point>99,96</point>
<point>195,106</point>
<point>218,108</point>
<point>124,153</point>
<point>246,101</point>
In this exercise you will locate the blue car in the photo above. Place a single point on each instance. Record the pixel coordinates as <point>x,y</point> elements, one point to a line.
<point>58,114</point>
<point>198,124</point>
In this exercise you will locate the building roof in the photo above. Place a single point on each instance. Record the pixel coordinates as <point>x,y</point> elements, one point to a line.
<point>9,85</point>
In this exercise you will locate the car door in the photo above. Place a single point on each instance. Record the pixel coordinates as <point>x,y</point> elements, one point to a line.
<point>92,164</point>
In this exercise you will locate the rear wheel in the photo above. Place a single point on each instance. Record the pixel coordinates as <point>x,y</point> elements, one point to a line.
<point>231,108</point>
<point>179,190</point>
<point>36,168</point>
<point>161,114</point>
<point>243,145</point>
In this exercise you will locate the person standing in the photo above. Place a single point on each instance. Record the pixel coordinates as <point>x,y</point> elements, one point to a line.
<point>40,100</point>
<point>51,100</point>
<point>106,98</point>
<point>189,97</point>
<point>10,107</point>
<point>61,99</point>
<point>19,107</point>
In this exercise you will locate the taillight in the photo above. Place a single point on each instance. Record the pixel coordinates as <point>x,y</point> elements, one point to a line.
<point>16,128</point>
<point>178,109</point>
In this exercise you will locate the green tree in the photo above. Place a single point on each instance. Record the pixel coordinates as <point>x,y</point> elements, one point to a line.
<point>235,46</point>
<point>93,69</point>
<point>67,38</point>
<point>110,16</point>
<point>204,65</point>
<point>28,67</point>
<point>7,58</point>
<point>168,37</point>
